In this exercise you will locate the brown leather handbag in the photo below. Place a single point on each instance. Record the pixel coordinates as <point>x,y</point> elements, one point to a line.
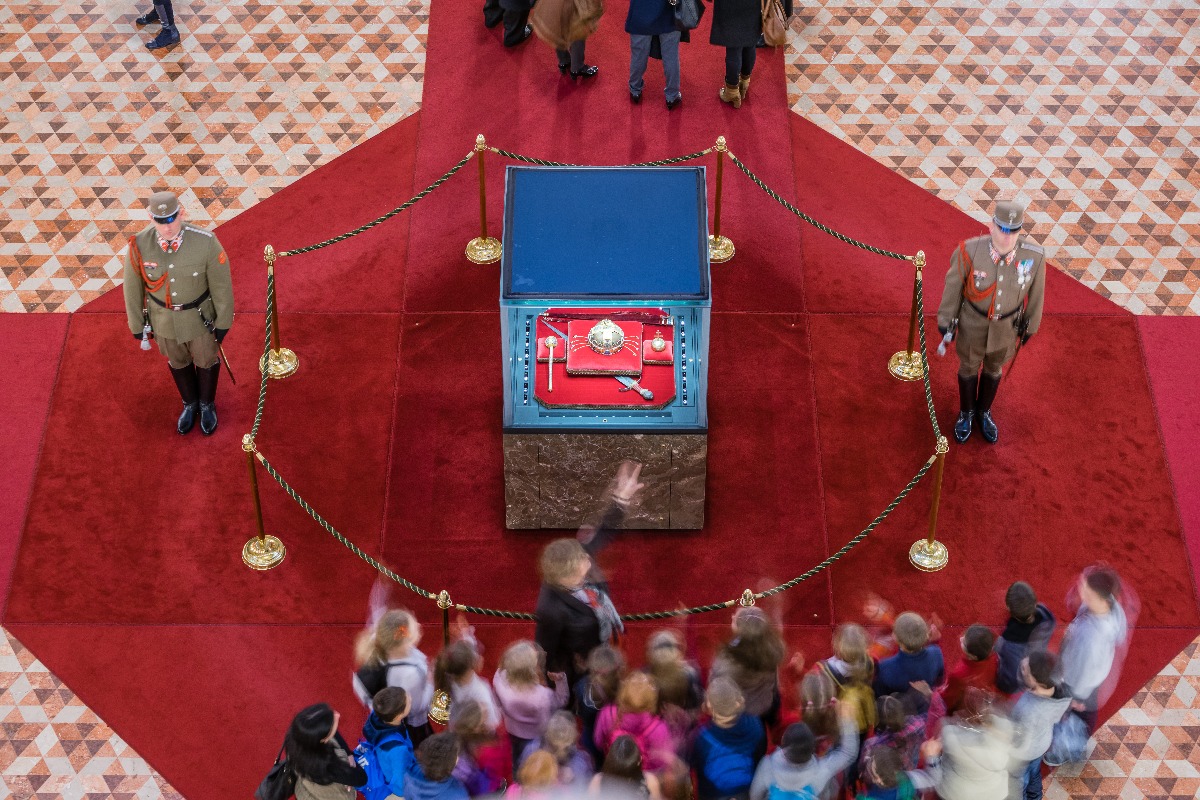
<point>774,23</point>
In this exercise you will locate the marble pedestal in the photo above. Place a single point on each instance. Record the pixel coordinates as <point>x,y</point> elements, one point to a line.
<point>557,480</point>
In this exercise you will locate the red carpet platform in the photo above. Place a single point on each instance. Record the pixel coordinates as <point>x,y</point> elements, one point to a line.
<point>129,585</point>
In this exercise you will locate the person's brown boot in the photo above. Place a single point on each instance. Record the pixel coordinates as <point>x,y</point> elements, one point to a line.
<point>730,94</point>
<point>744,86</point>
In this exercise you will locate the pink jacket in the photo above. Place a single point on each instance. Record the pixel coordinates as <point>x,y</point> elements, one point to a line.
<point>651,733</point>
<point>527,710</point>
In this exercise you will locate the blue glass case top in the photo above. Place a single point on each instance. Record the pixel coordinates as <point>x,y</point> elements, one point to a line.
<point>605,232</point>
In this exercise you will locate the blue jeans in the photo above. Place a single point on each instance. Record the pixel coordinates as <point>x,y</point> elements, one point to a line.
<point>639,54</point>
<point>1032,783</point>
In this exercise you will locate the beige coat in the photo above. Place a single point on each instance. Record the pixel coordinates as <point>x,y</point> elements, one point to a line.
<point>200,264</point>
<point>998,291</point>
<point>560,22</point>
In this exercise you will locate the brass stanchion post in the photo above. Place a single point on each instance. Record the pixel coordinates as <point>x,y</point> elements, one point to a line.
<point>279,362</point>
<point>906,365</point>
<point>720,248</point>
<point>439,712</point>
<point>930,555</point>
<point>483,249</point>
<point>263,551</point>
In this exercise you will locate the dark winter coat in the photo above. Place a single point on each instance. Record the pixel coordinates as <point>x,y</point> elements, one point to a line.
<point>736,23</point>
<point>650,17</point>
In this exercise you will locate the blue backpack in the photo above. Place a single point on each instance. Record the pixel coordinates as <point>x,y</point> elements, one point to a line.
<point>369,757</point>
<point>730,771</point>
<point>775,793</point>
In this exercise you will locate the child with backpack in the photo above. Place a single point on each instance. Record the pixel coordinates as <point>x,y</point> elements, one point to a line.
<point>456,672</point>
<point>795,772</point>
<point>432,778</point>
<point>852,670</point>
<point>385,752</point>
<point>387,655</point>
<point>1030,626</point>
<point>729,746</point>
<point>635,715</point>
<point>596,689</point>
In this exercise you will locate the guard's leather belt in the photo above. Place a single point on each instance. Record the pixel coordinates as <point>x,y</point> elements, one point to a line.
<point>184,307</point>
<point>984,313</point>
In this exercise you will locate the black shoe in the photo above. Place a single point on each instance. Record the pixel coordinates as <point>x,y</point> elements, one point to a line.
<point>562,68</point>
<point>166,37</point>
<point>208,418</point>
<point>674,103</point>
<point>988,428</point>
<point>963,425</point>
<point>586,72</point>
<point>187,419</point>
<point>636,99</point>
<point>149,18</point>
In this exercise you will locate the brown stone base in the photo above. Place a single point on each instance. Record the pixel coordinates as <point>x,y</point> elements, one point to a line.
<point>558,480</point>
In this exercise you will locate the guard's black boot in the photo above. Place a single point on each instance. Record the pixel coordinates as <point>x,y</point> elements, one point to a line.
<point>988,384</point>
<point>169,34</point>
<point>189,390</point>
<point>966,403</point>
<point>149,18</point>
<point>208,397</point>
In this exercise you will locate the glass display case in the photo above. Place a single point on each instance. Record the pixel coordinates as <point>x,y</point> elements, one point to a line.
<point>605,300</point>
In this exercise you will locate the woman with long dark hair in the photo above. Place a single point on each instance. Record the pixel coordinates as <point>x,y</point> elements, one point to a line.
<point>319,756</point>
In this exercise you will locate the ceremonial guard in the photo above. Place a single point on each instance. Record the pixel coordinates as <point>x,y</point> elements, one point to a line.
<point>992,304</point>
<point>178,291</point>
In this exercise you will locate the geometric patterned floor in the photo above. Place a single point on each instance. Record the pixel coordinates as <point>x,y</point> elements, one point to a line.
<point>54,746</point>
<point>253,97</point>
<point>1085,110</point>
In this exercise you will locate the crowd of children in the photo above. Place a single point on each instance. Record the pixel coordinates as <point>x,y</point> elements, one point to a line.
<point>880,718</point>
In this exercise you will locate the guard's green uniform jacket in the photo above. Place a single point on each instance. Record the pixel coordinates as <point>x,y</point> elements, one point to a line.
<point>200,265</point>
<point>986,299</point>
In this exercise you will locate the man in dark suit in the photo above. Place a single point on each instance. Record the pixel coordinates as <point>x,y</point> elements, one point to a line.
<point>515,16</point>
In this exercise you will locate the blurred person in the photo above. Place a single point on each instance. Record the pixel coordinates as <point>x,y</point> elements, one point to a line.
<point>538,774</point>
<point>680,693</point>
<point>817,694</point>
<point>1039,707</point>
<point>574,611</point>
<point>852,670</point>
<point>795,767</point>
<point>897,729</point>
<point>1030,626</point>
<point>736,26</point>
<point>178,291</point>
<point>480,767</point>
<point>432,778</point>
<point>977,667</point>
<point>623,775</point>
<point>729,746</point>
<point>456,672</point>
<point>646,21</point>
<point>976,747</point>
<point>1093,640</point>
<point>388,652</point>
<point>319,756</point>
<point>635,714</point>
<point>882,775</point>
<point>595,690</point>
<point>561,740</point>
<point>525,701</point>
<point>916,662</point>
<point>751,659</point>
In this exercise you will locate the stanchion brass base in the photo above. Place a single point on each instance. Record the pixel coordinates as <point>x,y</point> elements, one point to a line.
<point>482,250</point>
<point>439,712</point>
<point>279,363</point>
<point>906,366</point>
<point>720,249</point>
<point>263,553</point>
<point>928,557</point>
